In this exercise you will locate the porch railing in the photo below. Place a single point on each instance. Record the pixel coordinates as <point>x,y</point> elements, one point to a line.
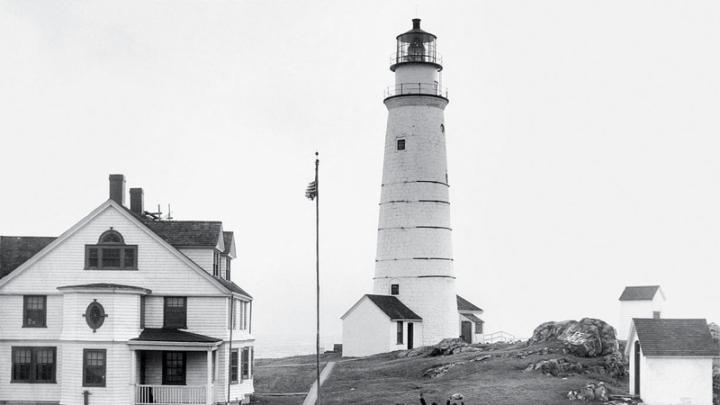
<point>170,394</point>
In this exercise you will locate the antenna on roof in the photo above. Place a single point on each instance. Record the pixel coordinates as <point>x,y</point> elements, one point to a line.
<point>155,216</point>
<point>169,215</point>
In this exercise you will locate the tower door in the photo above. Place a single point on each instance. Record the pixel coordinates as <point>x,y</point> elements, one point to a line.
<point>466,331</point>
<point>637,367</point>
<point>411,335</point>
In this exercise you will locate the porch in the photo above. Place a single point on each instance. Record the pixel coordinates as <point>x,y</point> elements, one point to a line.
<point>173,367</point>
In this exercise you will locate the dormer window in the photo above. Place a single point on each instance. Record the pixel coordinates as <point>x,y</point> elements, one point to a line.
<point>111,253</point>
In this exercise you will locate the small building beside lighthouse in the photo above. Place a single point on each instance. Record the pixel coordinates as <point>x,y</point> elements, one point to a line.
<point>414,293</point>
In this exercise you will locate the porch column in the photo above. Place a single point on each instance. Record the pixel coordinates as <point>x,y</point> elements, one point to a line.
<point>133,366</point>
<point>208,390</point>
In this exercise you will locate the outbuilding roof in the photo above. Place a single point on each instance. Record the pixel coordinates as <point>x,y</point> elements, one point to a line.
<point>465,305</point>
<point>173,335</point>
<point>393,307</point>
<point>639,293</point>
<point>473,318</point>
<point>16,250</point>
<point>675,337</point>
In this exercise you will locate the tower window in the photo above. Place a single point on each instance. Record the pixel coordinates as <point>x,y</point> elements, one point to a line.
<point>395,289</point>
<point>400,144</point>
<point>442,128</point>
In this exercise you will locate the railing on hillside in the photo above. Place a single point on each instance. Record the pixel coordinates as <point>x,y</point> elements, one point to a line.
<point>432,89</point>
<point>170,394</point>
<point>499,336</point>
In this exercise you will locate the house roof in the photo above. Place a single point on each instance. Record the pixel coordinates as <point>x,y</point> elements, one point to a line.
<point>173,335</point>
<point>187,233</point>
<point>232,286</point>
<point>473,318</point>
<point>465,305</point>
<point>15,250</point>
<point>675,337</point>
<point>639,293</point>
<point>393,307</point>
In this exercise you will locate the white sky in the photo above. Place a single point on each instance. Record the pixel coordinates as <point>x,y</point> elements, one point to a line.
<point>582,140</point>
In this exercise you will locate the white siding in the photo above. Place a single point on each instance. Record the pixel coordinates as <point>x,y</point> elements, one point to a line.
<point>117,377</point>
<point>38,392</point>
<point>367,330</point>
<point>11,318</point>
<point>202,257</point>
<point>158,269</point>
<point>636,309</point>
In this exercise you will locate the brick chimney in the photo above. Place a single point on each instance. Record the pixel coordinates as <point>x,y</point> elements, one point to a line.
<point>137,201</point>
<point>117,188</point>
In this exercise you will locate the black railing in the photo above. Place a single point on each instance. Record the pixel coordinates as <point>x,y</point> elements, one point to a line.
<point>432,89</point>
<point>409,57</point>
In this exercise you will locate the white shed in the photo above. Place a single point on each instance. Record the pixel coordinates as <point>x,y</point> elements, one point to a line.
<point>671,361</point>
<point>645,301</point>
<point>379,324</point>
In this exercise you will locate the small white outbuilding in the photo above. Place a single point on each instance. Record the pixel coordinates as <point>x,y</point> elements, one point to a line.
<point>379,324</point>
<point>643,301</point>
<point>671,361</point>
<point>471,326</point>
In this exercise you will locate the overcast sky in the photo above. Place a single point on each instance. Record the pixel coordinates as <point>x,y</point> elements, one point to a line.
<point>582,141</point>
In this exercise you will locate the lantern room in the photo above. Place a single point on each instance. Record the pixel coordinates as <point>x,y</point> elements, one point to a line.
<point>416,46</point>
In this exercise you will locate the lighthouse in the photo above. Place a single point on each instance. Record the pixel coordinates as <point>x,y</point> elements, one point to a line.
<point>414,299</point>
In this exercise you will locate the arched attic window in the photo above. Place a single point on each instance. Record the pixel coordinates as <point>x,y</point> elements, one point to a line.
<point>111,253</point>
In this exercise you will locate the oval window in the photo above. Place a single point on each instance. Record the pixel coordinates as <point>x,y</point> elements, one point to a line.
<point>95,315</point>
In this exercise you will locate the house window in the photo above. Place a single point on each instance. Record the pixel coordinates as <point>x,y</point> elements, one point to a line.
<point>34,311</point>
<point>395,289</point>
<point>216,264</point>
<point>94,367</point>
<point>33,365</point>
<point>111,253</point>
<point>95,315</point>
<point>173,372</point>
<point>245,362</point>
<point>400,144</point>
<point>479,327</point>
<point>656,314</point>
<point>175,313</point>
<point>214,365</point>
<point>234,366</point>
<point>400,332</point>
<point>227,268</point>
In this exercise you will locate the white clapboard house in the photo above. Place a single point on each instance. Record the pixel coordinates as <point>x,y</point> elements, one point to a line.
<point>671,361</point>
<point>124,308</point>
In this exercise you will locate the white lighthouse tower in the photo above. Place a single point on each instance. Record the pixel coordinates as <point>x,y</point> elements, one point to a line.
<point>414,248</point>
<point>414,298</point>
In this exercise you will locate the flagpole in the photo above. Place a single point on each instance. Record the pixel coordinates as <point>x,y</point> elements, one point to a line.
<point>317,275</point>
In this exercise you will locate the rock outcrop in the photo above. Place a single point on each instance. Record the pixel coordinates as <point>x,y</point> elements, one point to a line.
<point>448,347</point>
<point>585,338</point>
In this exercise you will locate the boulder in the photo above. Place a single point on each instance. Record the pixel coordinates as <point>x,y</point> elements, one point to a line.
<point>585,338</point>
<point>438,371</point>
<point>450,346</point>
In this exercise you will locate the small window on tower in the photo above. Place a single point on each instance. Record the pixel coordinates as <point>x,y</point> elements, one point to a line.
<point>395,289</point>
<point>442,128</point>
<point>400,144</point>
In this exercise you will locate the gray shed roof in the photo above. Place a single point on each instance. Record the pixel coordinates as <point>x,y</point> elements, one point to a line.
<point>639,293</point>
<point>393,307</point>
<point>675,337</point>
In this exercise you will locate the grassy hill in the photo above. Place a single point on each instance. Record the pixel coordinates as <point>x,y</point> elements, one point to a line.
<point>492,374</point>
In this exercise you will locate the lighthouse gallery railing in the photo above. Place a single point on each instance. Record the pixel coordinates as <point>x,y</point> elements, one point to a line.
<point>433,89</point>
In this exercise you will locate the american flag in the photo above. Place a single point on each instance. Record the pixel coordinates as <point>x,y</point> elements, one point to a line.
<point>311,191</point>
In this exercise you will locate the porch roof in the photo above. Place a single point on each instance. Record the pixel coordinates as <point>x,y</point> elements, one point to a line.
<point>173,335</point>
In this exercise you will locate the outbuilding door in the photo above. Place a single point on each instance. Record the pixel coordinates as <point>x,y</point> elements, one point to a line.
<point>637,367</point>
<point>466,331</point>
<point>410,336</point>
